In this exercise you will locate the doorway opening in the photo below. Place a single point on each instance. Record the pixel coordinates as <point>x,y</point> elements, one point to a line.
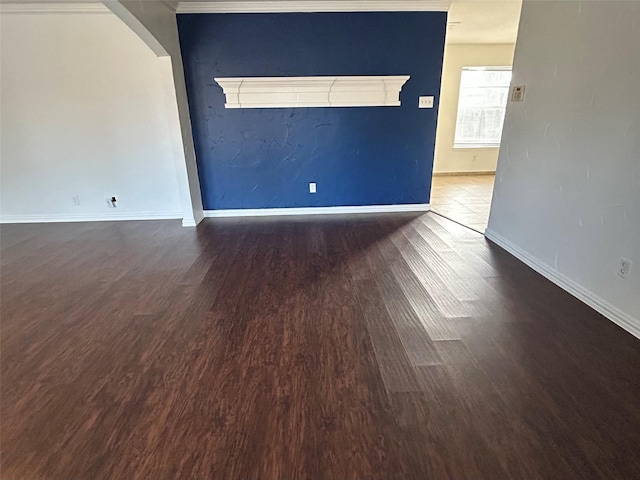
<point>465,199</point>
<point>475,89</point>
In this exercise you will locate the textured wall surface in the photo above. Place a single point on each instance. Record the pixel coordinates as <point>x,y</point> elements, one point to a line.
<point>73,123</point>
<point>265,158</point>
<point>568,181</point>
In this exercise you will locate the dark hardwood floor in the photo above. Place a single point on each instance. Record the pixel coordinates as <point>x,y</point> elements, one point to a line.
<point>369,347</point>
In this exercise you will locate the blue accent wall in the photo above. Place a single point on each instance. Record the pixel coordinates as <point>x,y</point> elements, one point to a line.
<point>265,158</point>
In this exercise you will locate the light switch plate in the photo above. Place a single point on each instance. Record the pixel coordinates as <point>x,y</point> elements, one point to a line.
<point>425,102</point>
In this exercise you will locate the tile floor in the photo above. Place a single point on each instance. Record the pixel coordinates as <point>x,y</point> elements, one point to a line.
<point>463,198</point>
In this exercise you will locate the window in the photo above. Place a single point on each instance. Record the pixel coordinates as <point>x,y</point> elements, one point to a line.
<point>481,106</point>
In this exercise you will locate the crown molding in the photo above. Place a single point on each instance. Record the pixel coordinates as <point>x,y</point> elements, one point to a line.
<point>240,6</point>
<point>172,5</point>
<point>53,8</point>
<point>283,6</point>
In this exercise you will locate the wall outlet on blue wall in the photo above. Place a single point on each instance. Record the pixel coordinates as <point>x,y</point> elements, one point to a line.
<point>312,187</point>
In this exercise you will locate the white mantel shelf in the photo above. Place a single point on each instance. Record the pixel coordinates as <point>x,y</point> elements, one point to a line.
<point>292,92</point>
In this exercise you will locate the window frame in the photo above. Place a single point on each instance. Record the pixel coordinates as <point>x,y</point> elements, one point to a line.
<point>479,145</point>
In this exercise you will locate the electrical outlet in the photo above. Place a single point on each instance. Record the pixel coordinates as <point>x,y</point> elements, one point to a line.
<point>312,187</point>
<point>625,267</point>
<point>76,200</point>
<point>111,201</point>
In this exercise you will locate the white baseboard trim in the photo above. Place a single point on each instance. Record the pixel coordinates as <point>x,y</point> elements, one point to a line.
<point>623,319</point>
<point>64,218</point>
<point>268,212</point>
<point>193,221</point>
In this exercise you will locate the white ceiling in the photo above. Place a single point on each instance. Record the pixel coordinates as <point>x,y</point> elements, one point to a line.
<point>483,21</point>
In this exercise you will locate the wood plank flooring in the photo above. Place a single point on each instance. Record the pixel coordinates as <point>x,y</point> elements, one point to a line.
<point>345,347</point>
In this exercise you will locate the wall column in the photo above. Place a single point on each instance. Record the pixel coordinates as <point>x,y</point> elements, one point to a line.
<point>155,23</point>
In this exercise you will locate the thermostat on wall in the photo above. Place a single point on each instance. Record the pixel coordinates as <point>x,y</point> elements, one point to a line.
<point>517,93</point>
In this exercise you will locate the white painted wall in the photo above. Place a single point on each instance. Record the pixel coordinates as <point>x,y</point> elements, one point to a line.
<point>155,22</point>
<point>567,195</point>
<point>458,160</point>
<point>83,112</point>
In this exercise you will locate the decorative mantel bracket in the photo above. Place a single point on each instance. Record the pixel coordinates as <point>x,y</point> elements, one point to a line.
<point>293,92</point>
